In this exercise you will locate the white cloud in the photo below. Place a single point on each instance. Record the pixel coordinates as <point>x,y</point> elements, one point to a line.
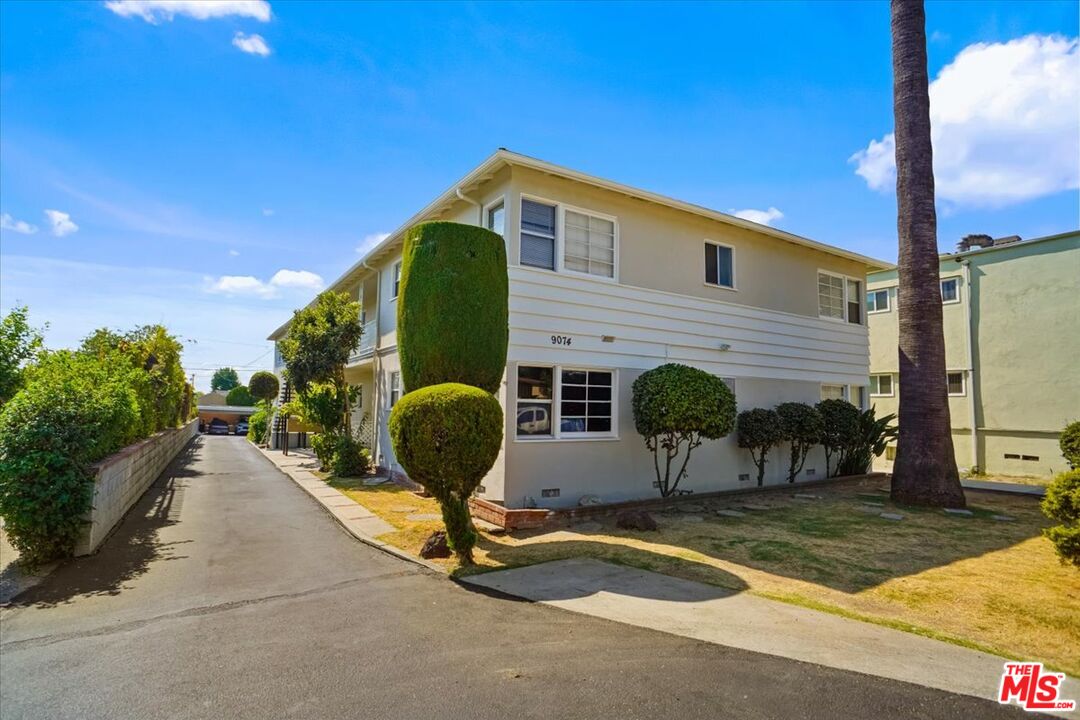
<point>1005,123</point>
<point>234,253</point>
<point>297,279</point>
<point>761,217</point>
<point>371,241</point>
<point>60,223</point>
<point>253,44</point>
<point>154,11</point>
<point>20,226</point>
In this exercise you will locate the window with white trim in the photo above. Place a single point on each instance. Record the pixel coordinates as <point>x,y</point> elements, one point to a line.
<point>496,217</point>
<point>396,284</point>
<point>877,301</point>
<point>395,388</point>
<point>881,386</point>
<point>833,392</point>
<point>537,234</point>
<point>719,265</point>
<point>950,290</point>
<point>589,244</point>
<point>955,381</point>
<point>564,402</point>
<point>839,297</point>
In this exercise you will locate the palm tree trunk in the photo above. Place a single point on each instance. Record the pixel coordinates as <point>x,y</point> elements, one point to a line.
<point>925,469</point>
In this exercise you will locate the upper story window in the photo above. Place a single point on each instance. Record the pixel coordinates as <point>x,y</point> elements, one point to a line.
<point>590,244</point>
<point>839,297</point>
<point>719,265</point>
<point>397,280</point>
<point>537,234</point>
<point>950,290</point>
<point>395,388</point>
<point>496,218</point>
<point>877,301</point>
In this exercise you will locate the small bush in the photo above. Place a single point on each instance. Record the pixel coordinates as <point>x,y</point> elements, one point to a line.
<point>759,431</point>
<point>452,314</point>
<point>447,437</point>
<point>239,395</point>
<point>802,426</point>
<point>323,445</point>
<point>1062,503</point>
<point>350,458</point>
<point>1070,444</point>
<point>677,406</point>
<point>873,436</point>
<point>841,430</point>
<point>264,386</point>
<point>258,425</point>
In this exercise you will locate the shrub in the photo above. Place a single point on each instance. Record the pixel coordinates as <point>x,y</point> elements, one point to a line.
<point>1070,444</point>
<point>264,386</point>
<point>350,458</point>
<point>759,431</point>
<point>447,437</point>
<point>873,435</point>
<point>452,315</point>
<point>676,406</point>
<point>802,426</point>
<point>323,445</point>
<point>18,344</point>
<point>841,429</point>
<point>77,409</point>
<point>1062,503</point>
<point>258,425</point>
<point>239,395</point>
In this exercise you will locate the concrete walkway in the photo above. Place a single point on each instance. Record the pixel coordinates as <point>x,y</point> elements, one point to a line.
<point>1014,488</point>
<point>740,620</point>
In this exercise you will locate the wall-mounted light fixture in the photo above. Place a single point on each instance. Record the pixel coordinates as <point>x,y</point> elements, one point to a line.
<point>723,347</point>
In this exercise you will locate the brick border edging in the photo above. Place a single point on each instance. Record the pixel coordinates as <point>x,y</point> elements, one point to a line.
<point>347,526</point>
<point>533,518</point>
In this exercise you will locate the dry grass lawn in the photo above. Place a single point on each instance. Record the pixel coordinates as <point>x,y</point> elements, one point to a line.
<point>976,581</point>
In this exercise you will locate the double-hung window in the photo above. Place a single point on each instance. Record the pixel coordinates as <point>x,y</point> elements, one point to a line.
<point>877,301</point>
<point>496,217</point>
<point>719,265</point>
<point>564,402</point>
<point>395,388</point>
<point>839,297</point>
<point>950,290</point>
<point>881,386</point>
<point>396,286</point>
<point>589,244</point>
<point>537,234</point>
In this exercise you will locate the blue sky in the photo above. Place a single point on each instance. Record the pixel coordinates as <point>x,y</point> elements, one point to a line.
<point>158,168</point>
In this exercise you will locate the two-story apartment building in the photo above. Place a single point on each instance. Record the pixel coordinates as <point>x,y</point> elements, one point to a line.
<point>1011,350</point>
<point>607,281</point>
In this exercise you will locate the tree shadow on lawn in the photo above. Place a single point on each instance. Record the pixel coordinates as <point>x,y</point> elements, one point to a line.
<point>837,541</point>
<point>131,549</point>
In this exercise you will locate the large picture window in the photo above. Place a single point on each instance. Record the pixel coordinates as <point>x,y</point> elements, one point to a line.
<point>590,244</point>
<point>563,402</point>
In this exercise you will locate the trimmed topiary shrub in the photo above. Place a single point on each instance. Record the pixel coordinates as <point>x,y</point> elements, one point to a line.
<point>802,426</point>
<point>447,437</point>
<point>264,386</point>
<point>677,406</point>
<point>239,395</point>
<point>841,430</point>
<point>759,431</point>
<point>1062,503</point>
<point>452,315</point>
<point>1070,444</point>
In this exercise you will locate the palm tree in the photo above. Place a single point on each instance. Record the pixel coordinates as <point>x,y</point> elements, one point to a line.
<point>925,469</point>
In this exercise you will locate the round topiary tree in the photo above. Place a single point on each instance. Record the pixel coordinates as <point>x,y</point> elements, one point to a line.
<point>840,432</point>
<point>802,426</point>
<point>678,406</point>
<point>239,395</point>
<point>1062,503</point>
<point>452,315</point>
<point>1070,444</point>
<point>264,386</point>
<point>759,431</point>
<point>447,437</point>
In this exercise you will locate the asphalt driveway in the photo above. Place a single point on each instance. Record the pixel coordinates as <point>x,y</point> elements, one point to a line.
<point>227,593</point>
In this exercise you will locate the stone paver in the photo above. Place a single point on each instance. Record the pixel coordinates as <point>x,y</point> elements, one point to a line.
<point>958,511</point>
<point>891,516</point>
<point>731,513</point>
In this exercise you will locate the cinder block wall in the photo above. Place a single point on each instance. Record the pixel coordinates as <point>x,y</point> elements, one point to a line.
<point>123,477</point>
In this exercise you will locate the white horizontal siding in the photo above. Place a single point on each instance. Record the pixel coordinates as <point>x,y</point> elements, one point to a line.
<point>652,327</point>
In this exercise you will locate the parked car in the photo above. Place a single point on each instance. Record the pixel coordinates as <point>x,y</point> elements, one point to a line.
<point>242,427</point>
<point>217,426</point>
<point>534,421</point>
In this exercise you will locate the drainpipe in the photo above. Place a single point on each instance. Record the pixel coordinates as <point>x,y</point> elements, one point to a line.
<point>966,265</point>
<point>479,207</point>
<point>375,362</point>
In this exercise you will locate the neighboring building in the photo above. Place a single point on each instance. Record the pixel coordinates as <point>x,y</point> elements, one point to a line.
<point>213,406</point>
<point>1011,350</point>
<point>607,281</point>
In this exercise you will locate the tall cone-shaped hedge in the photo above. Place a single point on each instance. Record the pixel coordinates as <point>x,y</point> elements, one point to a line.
<point>452,315</point>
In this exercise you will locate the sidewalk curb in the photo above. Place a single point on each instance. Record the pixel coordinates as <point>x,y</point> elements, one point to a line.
<point>351,525</point>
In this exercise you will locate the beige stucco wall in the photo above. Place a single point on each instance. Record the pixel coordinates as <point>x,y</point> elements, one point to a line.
<point>1023,302</point>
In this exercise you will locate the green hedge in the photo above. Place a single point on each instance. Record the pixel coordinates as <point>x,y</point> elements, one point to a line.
<point>1070,444</point>
<point>1062,503</point>
<point>452,315</point>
